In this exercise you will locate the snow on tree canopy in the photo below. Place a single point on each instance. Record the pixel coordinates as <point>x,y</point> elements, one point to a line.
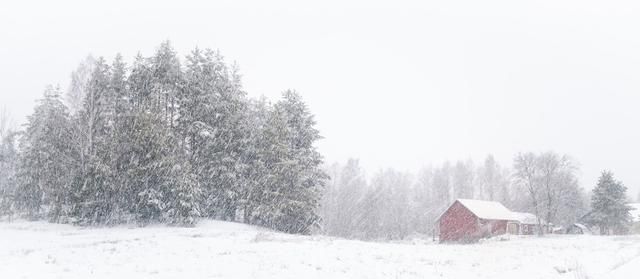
<point>165,142</point>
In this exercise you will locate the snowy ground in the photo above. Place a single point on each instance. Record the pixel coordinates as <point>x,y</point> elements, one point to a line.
<point>229,250</point>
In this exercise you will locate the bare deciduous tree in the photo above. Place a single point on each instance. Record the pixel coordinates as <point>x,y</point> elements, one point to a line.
<point>548,178</point>
<point>527,174</point>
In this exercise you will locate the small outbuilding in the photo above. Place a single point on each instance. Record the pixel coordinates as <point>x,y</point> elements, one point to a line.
<point>578,229</point>
<point>469,220</point>
<point>525,223</point>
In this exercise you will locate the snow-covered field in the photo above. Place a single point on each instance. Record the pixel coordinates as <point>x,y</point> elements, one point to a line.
<point>228,250</point>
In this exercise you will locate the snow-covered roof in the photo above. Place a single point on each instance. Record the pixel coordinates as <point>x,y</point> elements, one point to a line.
<point>525,218</point>
<point>635,211</point>
<point>489,210</point>
<point>583,227</point>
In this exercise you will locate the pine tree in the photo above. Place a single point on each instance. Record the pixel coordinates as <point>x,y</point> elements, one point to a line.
<point>150,163</point>
<point>8,167</point>
<point>211,122</point>
<point>166,82</point>
<point>185,195</point>
<point>256,154</point>
<point>120,120</point>
<point>609,205</point>
<point>44,175</point>
<point>139,83</point>
<point>297,183</point>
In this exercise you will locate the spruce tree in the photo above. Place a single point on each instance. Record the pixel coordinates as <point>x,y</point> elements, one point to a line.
<point>166,82</point>
<point>184,194</point>
<point>256,174</point>
<point>211,123</point>
<point>298,180</point>
<point>120,121</point>
<point>44,174</point>
<point>147,168</point>
<point>8,168</point>
<point>609,206</point>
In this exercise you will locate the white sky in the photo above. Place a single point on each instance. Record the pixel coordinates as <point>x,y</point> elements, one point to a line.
<point>402,84</point>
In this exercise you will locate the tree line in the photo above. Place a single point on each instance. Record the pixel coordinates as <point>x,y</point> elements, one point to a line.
<point>394,205</point>
<point>163,140</point>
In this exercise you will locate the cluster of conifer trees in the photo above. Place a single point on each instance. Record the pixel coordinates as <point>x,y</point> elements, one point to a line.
<point>168,141</point>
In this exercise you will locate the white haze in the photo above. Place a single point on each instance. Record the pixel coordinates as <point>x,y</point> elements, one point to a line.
<point>398,84</point>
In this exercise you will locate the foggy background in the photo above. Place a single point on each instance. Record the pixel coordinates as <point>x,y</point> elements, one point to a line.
<point>402,84</point>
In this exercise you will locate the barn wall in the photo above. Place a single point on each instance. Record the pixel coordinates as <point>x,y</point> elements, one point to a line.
<point>458,224</point>
<point>527,229</point>
<point>513,228</point>
<point>498,227</point>
<point>490,228</point>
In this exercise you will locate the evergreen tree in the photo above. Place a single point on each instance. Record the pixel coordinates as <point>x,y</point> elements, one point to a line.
<point>120,118</point>
<point>256,174</point>
<point>609,206</point>
<point>212,125</point>
<point>139,83</point>
<point>305,178</point>
<point>166,81</point>
<point>293,186</point>
<point>94,194</point>
<point>150,164</point>
<point>8,167</point>
<point>44,175</point>
<point>158,177</point>
<point>185,195</point>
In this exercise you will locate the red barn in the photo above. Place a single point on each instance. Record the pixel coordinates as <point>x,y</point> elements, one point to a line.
<point>469,220</point>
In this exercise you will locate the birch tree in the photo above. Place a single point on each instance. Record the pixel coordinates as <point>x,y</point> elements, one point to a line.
<point>527,174</point>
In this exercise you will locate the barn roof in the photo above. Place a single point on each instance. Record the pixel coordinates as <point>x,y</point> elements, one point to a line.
<point>635,211</point>
<point>489,210</point>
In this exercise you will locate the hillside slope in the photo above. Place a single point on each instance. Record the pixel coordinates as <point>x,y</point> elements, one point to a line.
<point>228,250</point>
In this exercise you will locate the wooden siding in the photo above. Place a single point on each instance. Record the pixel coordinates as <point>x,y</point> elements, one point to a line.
<point>458,224</point>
